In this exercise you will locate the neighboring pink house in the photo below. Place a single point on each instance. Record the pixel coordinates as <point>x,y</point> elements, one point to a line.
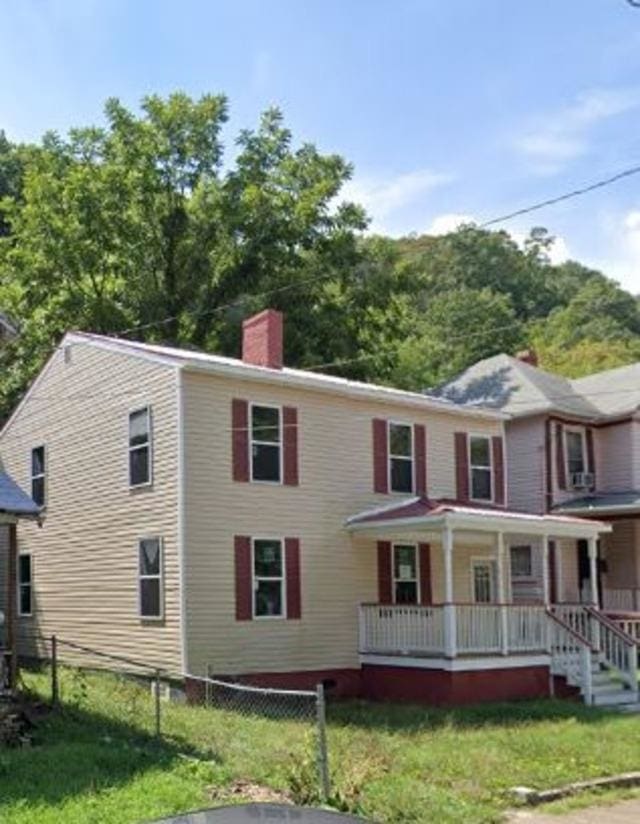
<point>284,526</point>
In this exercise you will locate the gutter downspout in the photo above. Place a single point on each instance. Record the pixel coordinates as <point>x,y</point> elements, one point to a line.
<point>181,494</point>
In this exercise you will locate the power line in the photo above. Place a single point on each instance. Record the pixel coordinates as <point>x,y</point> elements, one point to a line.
<point>600,184</point>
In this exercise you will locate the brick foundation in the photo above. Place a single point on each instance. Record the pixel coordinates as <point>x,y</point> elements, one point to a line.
<point>339,683</point>
<point>442,688</point>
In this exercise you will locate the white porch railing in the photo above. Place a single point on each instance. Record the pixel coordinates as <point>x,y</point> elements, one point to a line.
<point>480,629</point>
<point>570,655</point>
<point>401,629</point>
<point>629,624</point>
<point>621,599</point>
<point>616,647</point>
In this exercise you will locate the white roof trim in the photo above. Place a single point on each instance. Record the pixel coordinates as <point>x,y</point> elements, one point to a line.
<point>232,367</point>
<point>482,521</point>
<point>380,509</point>
<point>611,509</point>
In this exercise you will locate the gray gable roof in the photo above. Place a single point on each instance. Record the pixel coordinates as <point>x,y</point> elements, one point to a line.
<point>13,500</point>
<point>507,383</point>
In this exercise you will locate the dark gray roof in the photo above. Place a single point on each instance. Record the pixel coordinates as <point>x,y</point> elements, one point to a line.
<point>507,383</point>
<point>14,500</point>
<point>605,502</point>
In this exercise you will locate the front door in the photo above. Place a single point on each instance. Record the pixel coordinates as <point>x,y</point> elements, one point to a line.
<point>584,575</point>
<point>484,582</point>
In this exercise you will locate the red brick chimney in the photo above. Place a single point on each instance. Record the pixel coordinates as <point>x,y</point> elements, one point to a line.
<point>528,356</point>
<point>262,339</point>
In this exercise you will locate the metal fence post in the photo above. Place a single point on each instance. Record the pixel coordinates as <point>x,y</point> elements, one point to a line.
<point>207,686</point>
<point>54,670</point>
<point>323,757</point>
<point>157,697</point>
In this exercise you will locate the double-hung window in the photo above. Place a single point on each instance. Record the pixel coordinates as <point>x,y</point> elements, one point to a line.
<point>38,475</point>
<point>480,469</point>
<point>140,460</point>
<point>575,452</point>
<point>266,443</point>
<point>25,585</point>
<point>484,581</point>
<point>150,594</point>
<point>268,578</point>
<point>521,562</point>
<point>405,574</point>
<point>400,457</point>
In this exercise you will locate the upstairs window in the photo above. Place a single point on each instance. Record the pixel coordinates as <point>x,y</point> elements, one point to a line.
<point>575,452</point>
<point>480,469</point>
<point>405,574</point>
<point>268,579</point>
<point>140,447</point>
<point>38,475</point>
<point>25,595</point>
<point>400,457</point>
<point>150,578</point>
<point>266,444</point>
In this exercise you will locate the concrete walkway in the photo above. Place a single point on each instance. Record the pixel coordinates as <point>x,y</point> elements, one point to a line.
<point>623,812</point>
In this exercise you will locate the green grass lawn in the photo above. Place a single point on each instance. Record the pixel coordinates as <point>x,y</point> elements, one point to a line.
<point>96,760</point>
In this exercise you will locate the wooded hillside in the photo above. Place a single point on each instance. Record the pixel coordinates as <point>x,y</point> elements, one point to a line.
<point>143,228</point>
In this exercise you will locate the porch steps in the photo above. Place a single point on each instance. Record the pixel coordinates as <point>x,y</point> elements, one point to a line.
<point>608,691</point>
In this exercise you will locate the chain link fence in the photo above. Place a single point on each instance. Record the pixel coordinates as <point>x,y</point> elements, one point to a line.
<point>263,722</point>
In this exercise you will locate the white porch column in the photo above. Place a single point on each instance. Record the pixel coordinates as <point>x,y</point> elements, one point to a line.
<point>593,570</point>
<point>502,595</point>
<point>449,610</point>
<point>546,581</point>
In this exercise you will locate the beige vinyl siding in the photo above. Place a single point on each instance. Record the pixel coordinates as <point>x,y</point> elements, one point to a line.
<point>567,555</point>
<point>336,481</point>
<point>85,557</point>
<point>526,464</point>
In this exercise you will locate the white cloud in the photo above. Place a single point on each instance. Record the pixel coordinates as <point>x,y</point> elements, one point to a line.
<point>445,223</point>
<point>550,141</point>
<point>623,236</point>
<point>385,198</point>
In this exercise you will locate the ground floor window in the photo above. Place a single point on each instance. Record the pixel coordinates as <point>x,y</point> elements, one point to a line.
<point>25,585</point>
<point>521,563</point>
<point>268,578</point>
<point>484,582</point>
<point>405,574</point>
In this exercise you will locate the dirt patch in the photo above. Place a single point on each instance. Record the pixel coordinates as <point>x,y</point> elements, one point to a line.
<point>18,719</point>
<point>248,791</point>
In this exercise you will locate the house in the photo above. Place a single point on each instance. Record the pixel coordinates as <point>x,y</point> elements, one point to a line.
<point>286,526</point>
<point>573,448</point>
<point>15,505</point>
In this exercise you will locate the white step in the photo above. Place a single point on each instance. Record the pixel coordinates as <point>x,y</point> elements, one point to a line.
<point>613,698</point>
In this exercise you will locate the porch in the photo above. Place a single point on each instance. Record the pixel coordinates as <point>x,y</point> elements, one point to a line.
<point>421,622</point>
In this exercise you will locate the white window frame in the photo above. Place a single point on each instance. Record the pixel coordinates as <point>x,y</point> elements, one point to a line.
<point>493,564</point>
<point>255,578</point>
<point>410,457</point>
<point>20,585</point>
<point>395,580</point>
<point>491,468</point>
<point>42,475</point>
<point>253,440</point>
<point>576,430</point>
<point>159,577</point>
<point>149,445</point>
<point>514,575</point>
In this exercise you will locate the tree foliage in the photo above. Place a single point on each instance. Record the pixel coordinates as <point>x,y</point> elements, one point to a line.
<point>145,227</point>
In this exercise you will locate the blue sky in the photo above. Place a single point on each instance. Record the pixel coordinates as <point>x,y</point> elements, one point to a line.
<point>446,108</point>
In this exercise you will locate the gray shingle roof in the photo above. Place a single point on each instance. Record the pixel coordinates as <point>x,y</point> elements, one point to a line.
<point>504,382</point>
<point>605,502</point>
<point>14,500</point>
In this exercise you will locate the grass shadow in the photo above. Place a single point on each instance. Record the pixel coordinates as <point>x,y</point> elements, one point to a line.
<point>419,718</point>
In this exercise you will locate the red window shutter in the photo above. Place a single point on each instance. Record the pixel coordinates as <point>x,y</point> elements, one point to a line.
<point>240,439</point>
<point>380,456</point>
<point>420,458</point>
<point>498,469</point>
<point>462,466</point>
<point>560,462</point>
<point>244,594</point>
<point>424,551</point>
<point>292,569</point>
<point>384,572</point>
<point>591,457</point>
<point>553,573</point>
<point>290,445</point>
